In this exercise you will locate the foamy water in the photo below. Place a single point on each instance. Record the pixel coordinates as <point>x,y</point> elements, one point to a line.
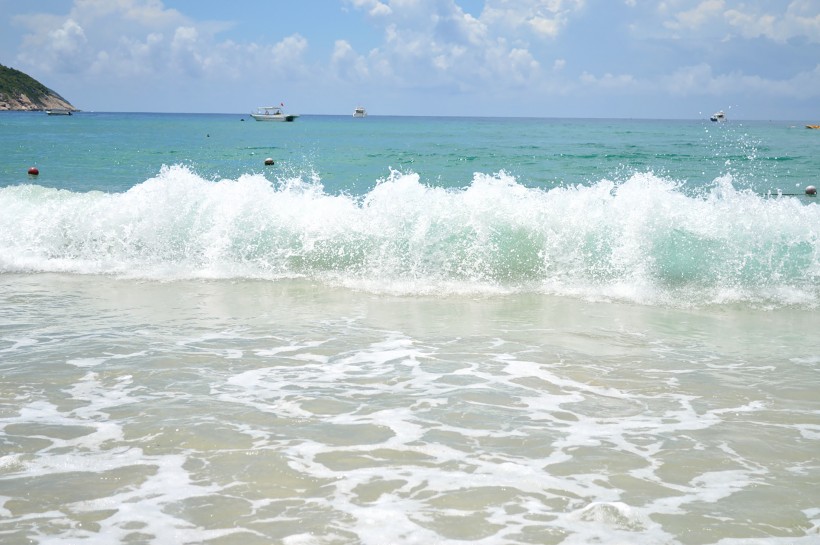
<point>256,412</point>
<point>642,239</point>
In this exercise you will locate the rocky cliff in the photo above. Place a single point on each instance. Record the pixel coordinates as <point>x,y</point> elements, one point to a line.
<point>19,91</point>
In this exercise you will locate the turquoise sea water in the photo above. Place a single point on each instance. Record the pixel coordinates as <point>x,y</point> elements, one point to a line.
<point>408,330</point>
<point>113,152</point>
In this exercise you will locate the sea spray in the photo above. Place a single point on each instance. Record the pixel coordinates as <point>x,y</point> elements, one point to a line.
<point>641,239</point>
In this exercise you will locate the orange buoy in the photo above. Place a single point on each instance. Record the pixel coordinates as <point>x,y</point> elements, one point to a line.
<point>268,161</point>
<point>33,171</point>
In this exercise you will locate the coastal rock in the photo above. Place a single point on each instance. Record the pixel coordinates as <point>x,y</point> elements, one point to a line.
<point>21,92</point>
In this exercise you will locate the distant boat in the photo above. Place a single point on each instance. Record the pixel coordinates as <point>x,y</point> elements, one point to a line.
<point>359,112</point>
<point>272,113</point>
<point>813,126</point>
<point>59,111</point>
<point>718,116</point>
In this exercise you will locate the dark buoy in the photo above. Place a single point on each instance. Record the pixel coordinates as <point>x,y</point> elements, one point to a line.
<point>811,190</point>
<point>33,171</point>
<point>268,161</point>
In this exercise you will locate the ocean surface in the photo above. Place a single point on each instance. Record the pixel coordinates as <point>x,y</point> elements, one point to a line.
<point>408,330</point>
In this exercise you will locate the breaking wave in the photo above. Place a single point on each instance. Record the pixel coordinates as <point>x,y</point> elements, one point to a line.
<point>642,239</point>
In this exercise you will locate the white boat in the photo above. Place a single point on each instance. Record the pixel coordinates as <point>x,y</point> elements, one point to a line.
<point>272,113</point>
<point>718,116</point>
<point>359,112</point>
<point>58,111</point>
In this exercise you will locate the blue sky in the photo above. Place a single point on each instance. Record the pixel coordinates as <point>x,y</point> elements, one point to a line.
<point>755,59</point>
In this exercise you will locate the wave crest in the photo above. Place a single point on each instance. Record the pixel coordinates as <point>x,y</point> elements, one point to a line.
<point>642,239</point>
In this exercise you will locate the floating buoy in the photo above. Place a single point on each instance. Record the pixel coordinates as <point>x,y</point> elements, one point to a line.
<point>811,190</point>
<point>33,171</point>
<point>268,161</point>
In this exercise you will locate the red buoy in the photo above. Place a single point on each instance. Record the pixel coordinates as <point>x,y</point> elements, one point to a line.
<point>33,171</point>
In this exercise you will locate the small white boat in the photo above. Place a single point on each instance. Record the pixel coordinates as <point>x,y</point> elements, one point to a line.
<point>359,112</point>
<point>718,116</point>
<point>58,111</point>
<point>272,113</point>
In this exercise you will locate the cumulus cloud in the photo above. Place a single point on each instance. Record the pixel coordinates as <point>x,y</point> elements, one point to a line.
<point>704,13</point>
<point>96,32</point>
<point>131,57</point>
<point>374,8</point>
<point>144,38</point>
<point>801,18</point>
<point>451,47</point>
<point>436,38</point>
<point>61,48</point>
<point>346,63</point>
<point>776,21</point>
<point>543,18</point>
<point>185,51</point>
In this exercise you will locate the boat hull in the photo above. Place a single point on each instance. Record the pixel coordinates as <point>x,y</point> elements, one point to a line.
<point>284,118</point>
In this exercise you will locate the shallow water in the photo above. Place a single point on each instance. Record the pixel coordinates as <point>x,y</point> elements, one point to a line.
<point>252,412</point>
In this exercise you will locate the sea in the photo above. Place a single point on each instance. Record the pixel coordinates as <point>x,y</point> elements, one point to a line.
<point>408,330</point>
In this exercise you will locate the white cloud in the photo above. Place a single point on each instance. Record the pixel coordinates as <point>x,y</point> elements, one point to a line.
<point>374,8</point>
<point>436,43</point>
<point>776,21</point>
<point>800,19</point>
<point>425,43</point>
<point>609,81</point>
<point>101,31</point>
<point>805,85</point>
<point>185,49</point>
<point>129,38</point>
<point>132,57</point>
<point>346,63</point>
<point>284,58</point>
<point>697,79</point>
<point>700,80</point>
<point>706,12</point>
<point>543,18</point>
<point>145,13</point>
<point>62,48</point>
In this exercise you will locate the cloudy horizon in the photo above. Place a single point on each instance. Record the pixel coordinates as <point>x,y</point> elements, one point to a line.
<point>522,58</point>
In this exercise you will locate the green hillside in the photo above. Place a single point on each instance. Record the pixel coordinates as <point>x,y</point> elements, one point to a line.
<point>14,84</point>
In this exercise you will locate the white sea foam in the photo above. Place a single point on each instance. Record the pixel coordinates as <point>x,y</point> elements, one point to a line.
<point>642,239</point>
<point>335,429</point>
